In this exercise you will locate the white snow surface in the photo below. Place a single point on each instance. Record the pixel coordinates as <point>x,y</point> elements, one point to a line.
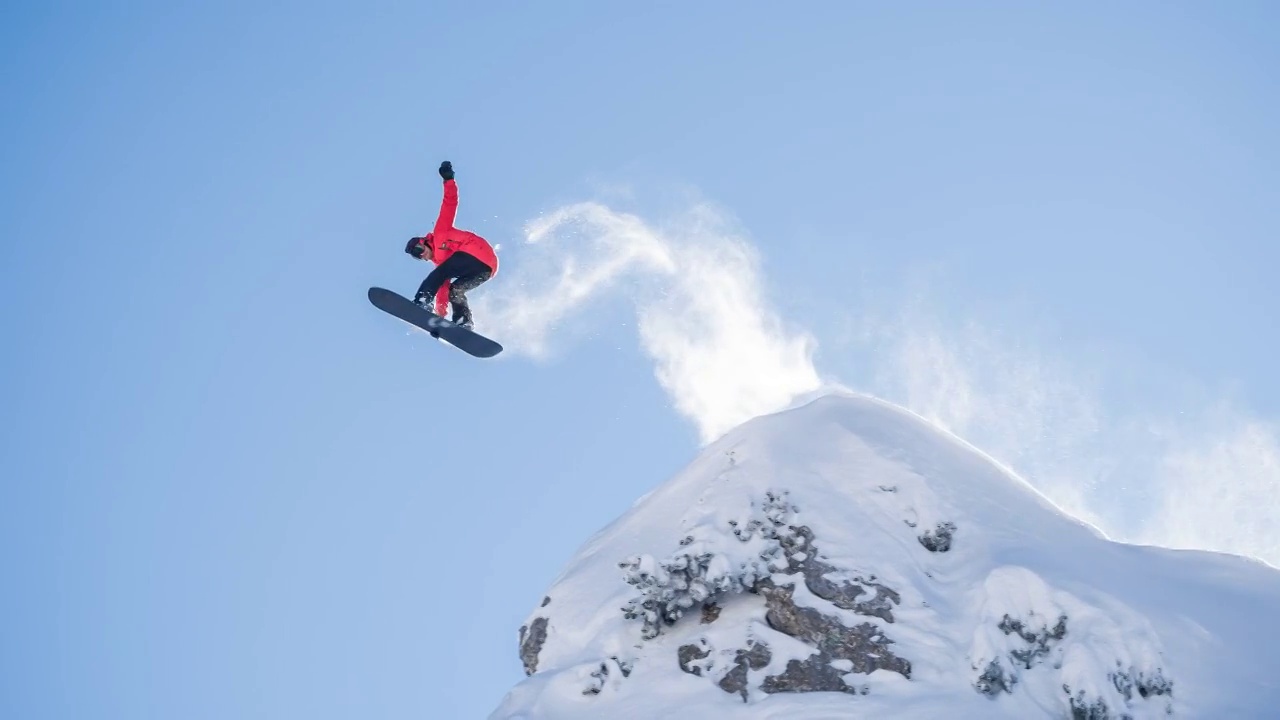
<point>868,479</point>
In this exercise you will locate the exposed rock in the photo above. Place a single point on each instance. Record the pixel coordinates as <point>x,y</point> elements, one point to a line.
<point>938,539</point>
<point>994,680</point>
<point>757,599</point>
<point>688,580</point>
<point>810,675</point>
<point>601,674</point>
<point>802,556</point>
<point>754,658</point>
<point>1127,683</point>
<point>687,654</point>
<point>1082,710</point>
<point>710,612</point>
<point>531,640</point>
<point>699,571</point>
<point>1038,642</point>
<point>1145,686</point>
<point>864,646</point>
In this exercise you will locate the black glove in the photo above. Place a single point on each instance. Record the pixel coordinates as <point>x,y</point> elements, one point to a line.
<point>414,247</point>
<point>446,170</point>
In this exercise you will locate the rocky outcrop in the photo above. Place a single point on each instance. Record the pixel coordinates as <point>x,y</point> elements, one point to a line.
<point>1128,684</point>
<point>710,613</point>
<point>1037,641</point>
<point>1042,641</point>
<point>703,570</point>
<point>794,557</point>
<point>938,539</point>
<point>916,579</point>
<point>754,657</point>
<point>812,675</point>
<point>802,557</point>
<point>688,654</point>
<point>864,646</point>
<point>612,667</point>
<point>532,637</point>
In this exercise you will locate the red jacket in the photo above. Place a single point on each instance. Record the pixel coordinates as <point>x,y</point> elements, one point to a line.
<point>446,239</point>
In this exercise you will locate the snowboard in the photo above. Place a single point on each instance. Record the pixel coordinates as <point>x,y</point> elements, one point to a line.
<point>399,306</point>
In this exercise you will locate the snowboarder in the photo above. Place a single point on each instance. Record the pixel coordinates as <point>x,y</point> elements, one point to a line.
<point>463,259</point>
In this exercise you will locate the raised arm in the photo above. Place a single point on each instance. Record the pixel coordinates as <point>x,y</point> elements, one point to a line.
<point>449,206</point>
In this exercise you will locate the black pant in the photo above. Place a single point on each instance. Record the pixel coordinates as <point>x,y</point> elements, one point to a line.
<point>467,273</point>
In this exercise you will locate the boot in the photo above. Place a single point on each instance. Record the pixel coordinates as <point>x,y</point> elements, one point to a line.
<point>425,302</point>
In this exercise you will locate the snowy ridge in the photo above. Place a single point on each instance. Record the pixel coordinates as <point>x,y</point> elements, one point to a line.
<point>846,559</point>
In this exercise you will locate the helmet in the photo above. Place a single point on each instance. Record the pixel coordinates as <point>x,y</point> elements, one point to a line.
<point>418,246</point>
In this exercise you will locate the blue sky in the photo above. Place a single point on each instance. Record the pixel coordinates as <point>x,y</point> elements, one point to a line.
<point>233,489</point>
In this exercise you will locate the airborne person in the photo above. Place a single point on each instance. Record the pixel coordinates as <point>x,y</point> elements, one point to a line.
<point>463,259</point>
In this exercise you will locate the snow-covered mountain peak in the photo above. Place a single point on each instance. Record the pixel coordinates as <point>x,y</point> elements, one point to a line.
<point>847,559</point>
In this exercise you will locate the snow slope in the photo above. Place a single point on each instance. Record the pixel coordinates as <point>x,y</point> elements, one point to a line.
<point>847,559</point>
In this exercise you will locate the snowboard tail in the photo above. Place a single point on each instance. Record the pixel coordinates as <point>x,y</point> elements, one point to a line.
<point>399,306</point>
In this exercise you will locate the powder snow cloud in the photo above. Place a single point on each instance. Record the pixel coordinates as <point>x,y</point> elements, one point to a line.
<point>695,287</point>
<point>1196,473</point>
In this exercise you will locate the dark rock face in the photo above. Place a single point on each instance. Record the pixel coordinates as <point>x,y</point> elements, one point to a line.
<point>755,657</point>
<point>938,539</point>
<point>1096,710</point>
<point>687,654</point>
<point>663,605</point>
<point>531,639</point>
<point>864,646</point>
<point>686,580</point>
<point>802,557</point>
<point>994,680</point>
<point>601,674</point>
<point>1037,642</point>
<point>1002,674</point>
<point>1145,686</point>
<point>1127,683</point>
<point>790,557</point>
<point>808,676</point>
<point>710,613</point>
